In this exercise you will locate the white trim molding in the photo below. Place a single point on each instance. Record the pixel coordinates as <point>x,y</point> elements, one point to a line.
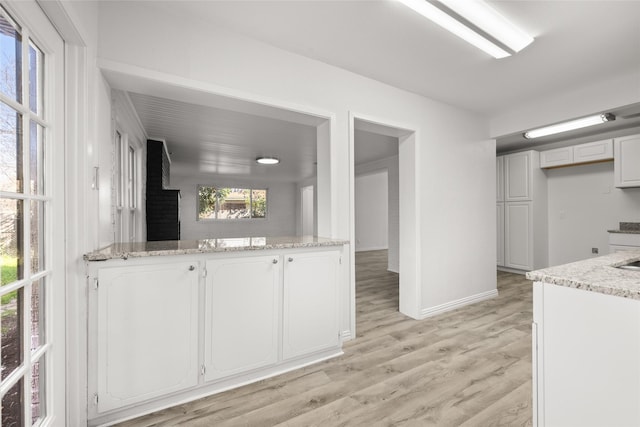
<point>452,305</point>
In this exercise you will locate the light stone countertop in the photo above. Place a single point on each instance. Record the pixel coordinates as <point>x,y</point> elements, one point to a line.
<point>596,275</point>
<point>182,247</point>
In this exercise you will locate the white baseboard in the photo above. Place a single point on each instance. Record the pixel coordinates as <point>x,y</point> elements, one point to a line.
<point>371,248</point>
<point>512,270</point>
<point>443,308</point>
<point>346,335</point>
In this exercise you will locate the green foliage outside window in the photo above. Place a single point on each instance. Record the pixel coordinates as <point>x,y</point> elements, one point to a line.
<point>231,203</point>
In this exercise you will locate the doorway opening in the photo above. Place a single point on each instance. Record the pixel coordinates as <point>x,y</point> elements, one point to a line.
<point>384,208</point>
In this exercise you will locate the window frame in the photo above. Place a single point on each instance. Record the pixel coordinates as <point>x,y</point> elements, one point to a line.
<point>251,189</point>
<point>50,354</point>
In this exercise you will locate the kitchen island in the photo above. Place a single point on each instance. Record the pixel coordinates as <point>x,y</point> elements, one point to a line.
<point>586,343</point>
<point>173,321</point>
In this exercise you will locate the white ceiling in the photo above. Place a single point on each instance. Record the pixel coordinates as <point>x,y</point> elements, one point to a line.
<point>577,43</point>
<point>207,140</point>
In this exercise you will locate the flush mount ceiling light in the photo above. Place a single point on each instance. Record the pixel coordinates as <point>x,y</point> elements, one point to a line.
<point>267,160</point>
<point>476,23</point>
<point>570,125</point>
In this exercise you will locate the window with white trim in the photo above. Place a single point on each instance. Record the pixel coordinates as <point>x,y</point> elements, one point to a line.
<point>26,224</point>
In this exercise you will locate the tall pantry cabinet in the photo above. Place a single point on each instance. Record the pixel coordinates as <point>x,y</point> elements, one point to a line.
<point>521,190</point>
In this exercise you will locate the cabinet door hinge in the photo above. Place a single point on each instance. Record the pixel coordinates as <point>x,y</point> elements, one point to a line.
<point>340,259</point>
<point>95,399</point>
<point>203,370</point>
<point>204,272</point>
<point>95,283</point>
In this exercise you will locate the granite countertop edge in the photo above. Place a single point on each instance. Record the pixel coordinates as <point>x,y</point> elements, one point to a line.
<point>123,251</point>
<point>624,231</point>
<point>595,275</point>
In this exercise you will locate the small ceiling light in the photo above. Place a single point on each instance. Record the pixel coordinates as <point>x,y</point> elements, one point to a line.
<point>476,23</point>
<point>267,160</point>
<point>570,125</point>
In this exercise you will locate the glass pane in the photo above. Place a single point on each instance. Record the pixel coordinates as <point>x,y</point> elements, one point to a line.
<point>11,325</point>
<point>37,391</point>
<point>37,314</point>
<point>258,203</point>
<point>36,158</point>
<point>207,197</point>
<point>234,204</point>
<point>10,60</point>
<point>12,407</point>
<point>11,244</point>
<point>36,217</point>
<point>10,149</point>
<point>35,78</point>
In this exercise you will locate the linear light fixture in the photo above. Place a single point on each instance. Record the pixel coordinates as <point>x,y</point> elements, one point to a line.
<point>570,125</point>
<point>475,22</point>
<point>267,160</point>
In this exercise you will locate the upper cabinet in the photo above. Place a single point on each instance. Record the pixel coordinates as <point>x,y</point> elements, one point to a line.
<point>557,157</point>
<point>593,151</point>
<point>517,176</point>
<point>627,161</point>
<point>597,151</point>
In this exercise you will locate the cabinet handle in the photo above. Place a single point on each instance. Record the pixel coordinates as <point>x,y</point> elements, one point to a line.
<point>290,259</point>
<point>191,268</point>
<point>275,260</point>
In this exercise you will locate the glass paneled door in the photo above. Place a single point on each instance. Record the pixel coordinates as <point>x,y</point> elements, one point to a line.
<point>31,218</point>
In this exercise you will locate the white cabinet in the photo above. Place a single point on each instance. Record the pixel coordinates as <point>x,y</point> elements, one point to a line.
<point>522,218</point>
<point>586,352</point>
<point>519,235</point>
<point>167,329</point>
<point>241,315</point>
<point>590,152</point>
<point>500,179</point>
<point>623,242</point>
<point>147,332</point>
<point>627,161</point>
<point>517,176</point>
<point>557,157</point>
<point>593,151</point>
<point>310,312</point>
<point>500,233</point>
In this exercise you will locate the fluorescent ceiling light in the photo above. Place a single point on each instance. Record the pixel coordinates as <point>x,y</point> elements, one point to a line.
<point>266,160</point>
<point>570,125</point>
<point>475,22</point>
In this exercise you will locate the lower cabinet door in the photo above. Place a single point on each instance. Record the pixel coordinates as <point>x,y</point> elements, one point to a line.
<point>241,315</point>
<point>147,332</point>
<point>310,303</point>
<point>518,236</point>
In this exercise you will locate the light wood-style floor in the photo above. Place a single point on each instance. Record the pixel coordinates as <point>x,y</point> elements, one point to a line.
<point>468,367</point>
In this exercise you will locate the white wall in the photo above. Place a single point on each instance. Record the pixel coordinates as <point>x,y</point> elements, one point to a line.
<point>390,165</point>
<point>454,162</point>
<point>583,205</point>
<point>372,211</point>
<point>281,209</point>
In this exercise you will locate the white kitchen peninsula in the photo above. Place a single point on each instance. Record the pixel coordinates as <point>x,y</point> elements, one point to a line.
<point>172,321</point>
<point>586,343</point>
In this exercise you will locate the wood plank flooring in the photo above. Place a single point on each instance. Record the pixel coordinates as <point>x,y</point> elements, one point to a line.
<point>468,367</point>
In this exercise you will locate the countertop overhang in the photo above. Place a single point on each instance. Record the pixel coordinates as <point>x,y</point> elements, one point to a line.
<point>596,275</point>
<point>183,247</point>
